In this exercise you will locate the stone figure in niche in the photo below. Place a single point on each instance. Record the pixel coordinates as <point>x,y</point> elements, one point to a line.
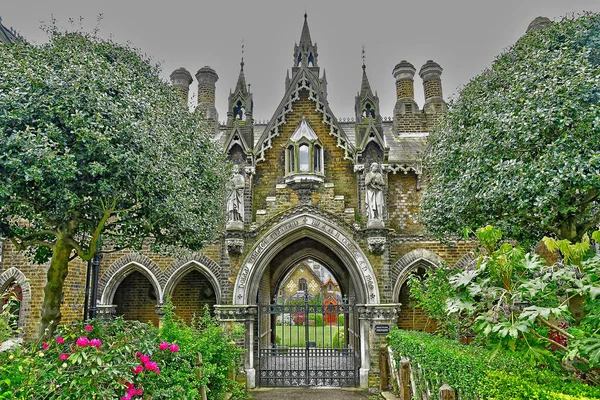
<point>375,185</point>
<point>235,196</point>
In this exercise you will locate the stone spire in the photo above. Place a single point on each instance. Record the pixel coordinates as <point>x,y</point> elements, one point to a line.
<point>305,36</point>
<point>365,87</point>
<point>241,82</point>
<point>305,52</point>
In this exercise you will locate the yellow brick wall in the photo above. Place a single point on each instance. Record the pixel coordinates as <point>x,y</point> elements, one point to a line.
<point>271,171</point>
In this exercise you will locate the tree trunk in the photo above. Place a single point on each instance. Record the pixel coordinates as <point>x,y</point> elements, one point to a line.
<point>53,292</point>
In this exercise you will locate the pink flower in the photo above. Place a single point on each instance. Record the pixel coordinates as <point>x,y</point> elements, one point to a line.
<point>126,397</point>
<point>151,366</point>
<point>174,348</point>
<point>139,391</point>
<point>60,340</point>
<point>45,346</point>
<point>95,343</point>
<point>163,346</point>
<point>144,359</point>
<point>63,357</point>
<point>137,354</point>
<point>82,341</point>
<point>129,385</point>
<point>138,369</point>
<point>88,328</point>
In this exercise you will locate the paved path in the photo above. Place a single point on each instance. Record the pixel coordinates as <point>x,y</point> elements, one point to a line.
<point>308,394</point>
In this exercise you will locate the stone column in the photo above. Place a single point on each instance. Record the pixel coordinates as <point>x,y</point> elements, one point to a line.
<point>376,321</point>
<point>229,317</point>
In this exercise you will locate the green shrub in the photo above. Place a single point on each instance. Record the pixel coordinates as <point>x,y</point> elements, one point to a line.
<point>73,366</point>
<point>338,339</point>
<point>341,320</point>
<point>478,373</point>
<point>318,318</point>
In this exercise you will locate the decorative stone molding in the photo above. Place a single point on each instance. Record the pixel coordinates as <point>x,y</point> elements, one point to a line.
<point>106,311</point>
<point>376,244</point>
<point>235,313</point>
<point>234,226</point>
<point>378,312</point>
<point>234,245</point>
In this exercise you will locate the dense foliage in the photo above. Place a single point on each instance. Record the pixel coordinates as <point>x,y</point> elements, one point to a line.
<point>125,360</point>
<point>519,147</point>
<point>518,302</point>
<point>476,374</point>
<point>94,144</point>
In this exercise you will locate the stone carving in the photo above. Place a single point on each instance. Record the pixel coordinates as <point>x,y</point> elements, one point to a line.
<point>234,245</point>
<point>375,186</point>
<point>376,244</point>
<point>235,198</point>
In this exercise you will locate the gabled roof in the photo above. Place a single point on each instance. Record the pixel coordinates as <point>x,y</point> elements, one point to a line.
<point>304,131</point>
<point>304,79</point>
<point>6,35</point>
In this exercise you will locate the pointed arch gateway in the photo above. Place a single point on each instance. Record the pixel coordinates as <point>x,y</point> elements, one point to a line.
<point>312,234</point>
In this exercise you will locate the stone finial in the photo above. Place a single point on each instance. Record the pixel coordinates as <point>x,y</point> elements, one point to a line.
<point>182,79</point>
<point>207,75</point>
<point>538,23</point>
<point>431,73</point>
<point>404,73</point>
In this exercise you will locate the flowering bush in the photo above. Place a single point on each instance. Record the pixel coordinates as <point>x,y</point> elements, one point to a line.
<point>118,360</point>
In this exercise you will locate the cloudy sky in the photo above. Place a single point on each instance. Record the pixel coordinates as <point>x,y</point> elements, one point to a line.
<point>462,36</point>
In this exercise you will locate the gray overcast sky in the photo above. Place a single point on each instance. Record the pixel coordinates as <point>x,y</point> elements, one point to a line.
<point>462,36</point>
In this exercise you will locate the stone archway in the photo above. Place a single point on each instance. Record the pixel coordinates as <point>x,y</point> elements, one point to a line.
<point>415,262</point>
<point>193,283</point>
<point>316,227</point>
<point>341,245</point>
<point>14,275</point>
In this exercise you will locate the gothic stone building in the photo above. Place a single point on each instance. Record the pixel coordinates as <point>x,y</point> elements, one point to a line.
<point>308,185</point>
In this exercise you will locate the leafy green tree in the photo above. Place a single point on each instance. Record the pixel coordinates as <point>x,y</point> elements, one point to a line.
<point>519,147</point>
<point>96,146</point>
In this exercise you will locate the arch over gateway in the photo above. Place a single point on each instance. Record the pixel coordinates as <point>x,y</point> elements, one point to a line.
<point>319,229</point>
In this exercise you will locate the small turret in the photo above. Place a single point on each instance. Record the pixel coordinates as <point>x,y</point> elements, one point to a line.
<point>207,77</point>
<point>182,79</point>
<point>305,52</point>
<point>539,23</point>
<point>431,73</point>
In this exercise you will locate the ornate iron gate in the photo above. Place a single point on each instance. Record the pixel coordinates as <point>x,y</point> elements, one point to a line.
<point>308,342</point>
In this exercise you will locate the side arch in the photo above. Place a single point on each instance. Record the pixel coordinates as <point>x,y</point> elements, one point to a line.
<point>15,275</point>
<point>410,262</point>
<point>114,275</point>
<point>199,262</point>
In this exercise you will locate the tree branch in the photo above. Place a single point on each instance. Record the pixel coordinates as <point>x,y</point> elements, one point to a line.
<point>25,244</point>
<point>556,328</point>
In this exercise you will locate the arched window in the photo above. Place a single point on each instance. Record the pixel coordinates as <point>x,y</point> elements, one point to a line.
<point>304,155</point>
<point>291,159</point>
<point>317,152</point>
<point>302,285</point>
<point>303,158</point>
<point>311,60</point>
<point>11,303</point>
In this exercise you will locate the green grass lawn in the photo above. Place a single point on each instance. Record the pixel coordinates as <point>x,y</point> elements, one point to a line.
<point>294,336</point>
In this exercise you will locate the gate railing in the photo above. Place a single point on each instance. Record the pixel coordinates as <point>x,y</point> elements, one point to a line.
<point>310,342</point>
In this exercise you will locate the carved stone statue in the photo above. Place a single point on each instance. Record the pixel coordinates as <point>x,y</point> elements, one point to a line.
<point>235,196</point>
<point>375,186</point>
